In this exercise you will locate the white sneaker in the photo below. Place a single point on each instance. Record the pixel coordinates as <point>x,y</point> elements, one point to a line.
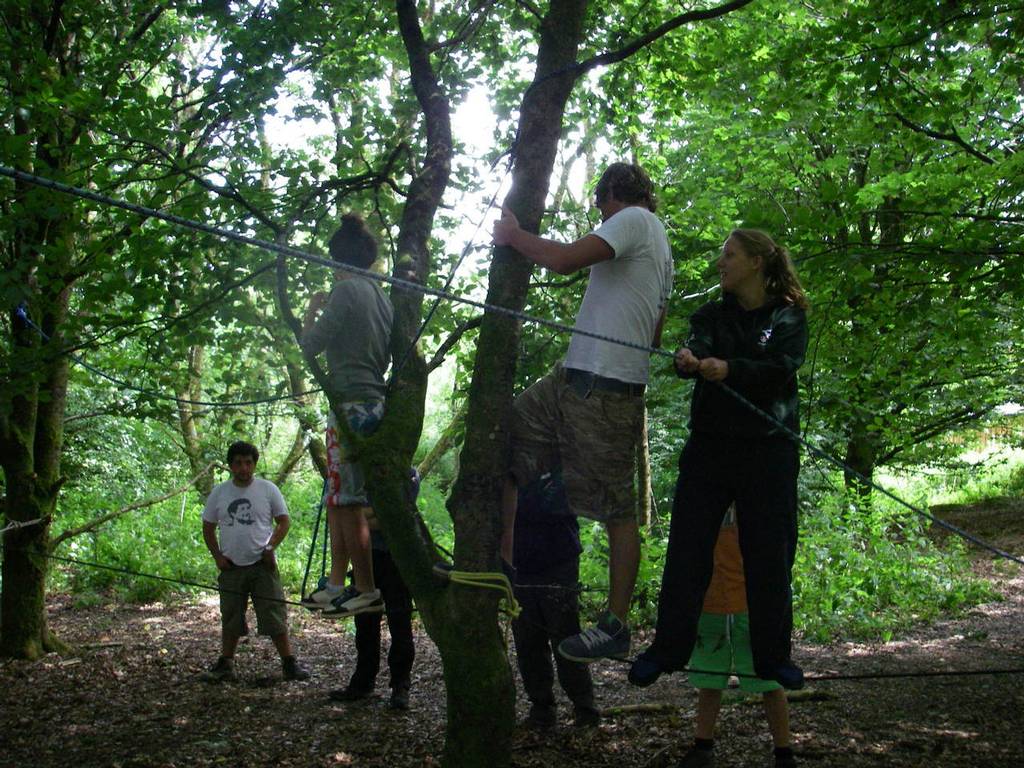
<point>351,601</point>
<point>322,597</point>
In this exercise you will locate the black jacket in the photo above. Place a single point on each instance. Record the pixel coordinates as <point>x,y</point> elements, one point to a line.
<point>764,347</point>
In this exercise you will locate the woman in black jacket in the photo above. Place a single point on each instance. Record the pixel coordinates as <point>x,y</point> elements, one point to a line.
<point>752,342</point>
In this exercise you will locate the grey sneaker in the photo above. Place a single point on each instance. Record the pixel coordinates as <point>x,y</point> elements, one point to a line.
<point>293,670</point>
<point>222,671</point>
<point>320,598</point>
<point>351,601</point>
<point>608,640</point>
<point>698,758</point>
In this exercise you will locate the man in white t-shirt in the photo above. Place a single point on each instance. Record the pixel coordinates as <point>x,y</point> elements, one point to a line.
<point>587,414</point>
<point>251,517</point>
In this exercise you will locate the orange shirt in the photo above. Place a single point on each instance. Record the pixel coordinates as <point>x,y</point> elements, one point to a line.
<point>727,592</point>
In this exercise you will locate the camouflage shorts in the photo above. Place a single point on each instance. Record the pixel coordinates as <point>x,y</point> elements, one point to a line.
<point>346,485</point>
<point>593,438</point>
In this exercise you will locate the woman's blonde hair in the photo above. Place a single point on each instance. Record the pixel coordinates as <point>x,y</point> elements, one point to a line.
<point>780,280</point>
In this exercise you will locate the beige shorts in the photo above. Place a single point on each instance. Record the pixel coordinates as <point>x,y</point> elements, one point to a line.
<point>263,585</point>
<point>593,436</point>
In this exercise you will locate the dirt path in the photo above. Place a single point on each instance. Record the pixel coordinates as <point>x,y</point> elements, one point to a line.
<point>131,699</point>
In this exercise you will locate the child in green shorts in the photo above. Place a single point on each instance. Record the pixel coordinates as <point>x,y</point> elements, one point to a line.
<point>723,648</point>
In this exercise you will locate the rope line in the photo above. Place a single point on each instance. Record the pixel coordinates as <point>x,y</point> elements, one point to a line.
<point>312,543</point>
<point>470,580</point>
<point>156,577</point>
<point>396,369</point>
<point>22,314</point>
<point>285,250</point>
<point>495,309</point>
<point>866,480</point>
<point>489,580</point>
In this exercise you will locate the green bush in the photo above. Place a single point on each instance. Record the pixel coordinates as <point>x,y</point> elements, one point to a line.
<point>869,573</point>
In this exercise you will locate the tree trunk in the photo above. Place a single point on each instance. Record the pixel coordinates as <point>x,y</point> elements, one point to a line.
<point>860,457</point>
<point>481,694</point>
<point>188,419</point>
<point>32,441</point>
<point>445,443</point>
<point>645,493</point>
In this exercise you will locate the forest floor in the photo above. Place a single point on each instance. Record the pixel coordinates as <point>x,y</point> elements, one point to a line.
<point>130,698</point>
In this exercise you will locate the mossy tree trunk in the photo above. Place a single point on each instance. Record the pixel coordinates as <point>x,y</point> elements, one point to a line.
<point>38,261</point>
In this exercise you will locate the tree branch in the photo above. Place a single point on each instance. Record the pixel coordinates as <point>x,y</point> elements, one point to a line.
<point>953,137</point>
<point>612,57</point>
<point>94,524</point>
<point>452,340</point>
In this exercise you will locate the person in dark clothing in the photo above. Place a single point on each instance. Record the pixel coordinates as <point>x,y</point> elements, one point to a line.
<point>546,558</point>
<point>753,341</point>
<point>398,608</point>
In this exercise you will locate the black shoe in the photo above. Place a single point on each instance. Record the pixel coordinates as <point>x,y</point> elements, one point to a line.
<point>788,675</point>
<point>645,670</point>
<point>541,717</point>
<point>585,717</point>
<point>399,698</point>
<point>608,640</point>
<point>349,693</point>
<point>293,670</point>
<point>222,671</point>
<point>698,758</point>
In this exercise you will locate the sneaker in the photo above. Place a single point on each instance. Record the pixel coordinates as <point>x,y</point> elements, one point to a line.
<point>645,670</point>
<point>293,670</point>
<point>541,717</point>
<point>351,602</point>
<point>349,693</point>
<point>608,640</point>
<point>399,698</point>
<point>320,598</point>
<point>585,717</point>
<point>222,671</point>
<point>698,758</point>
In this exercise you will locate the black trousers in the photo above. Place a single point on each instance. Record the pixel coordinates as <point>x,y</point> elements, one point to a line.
<point>549,616</point>
<point>760,476</point>
<point>398,609</point>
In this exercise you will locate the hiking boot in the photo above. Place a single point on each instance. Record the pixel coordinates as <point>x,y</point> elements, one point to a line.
<point>321,597</point>
<point>608,640</point>
<point>645,670</point>
<point>351,602</point>
<point>585,717</point>
<point>222,671</point>
<point>293,670</point>
<point>541,717</point>
<point>698,758</point>
<point>399,698</point>
<point>349,694</point>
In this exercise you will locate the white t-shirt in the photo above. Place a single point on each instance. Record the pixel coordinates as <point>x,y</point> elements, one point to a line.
<point>625,296</point>
<point>245,517</point>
